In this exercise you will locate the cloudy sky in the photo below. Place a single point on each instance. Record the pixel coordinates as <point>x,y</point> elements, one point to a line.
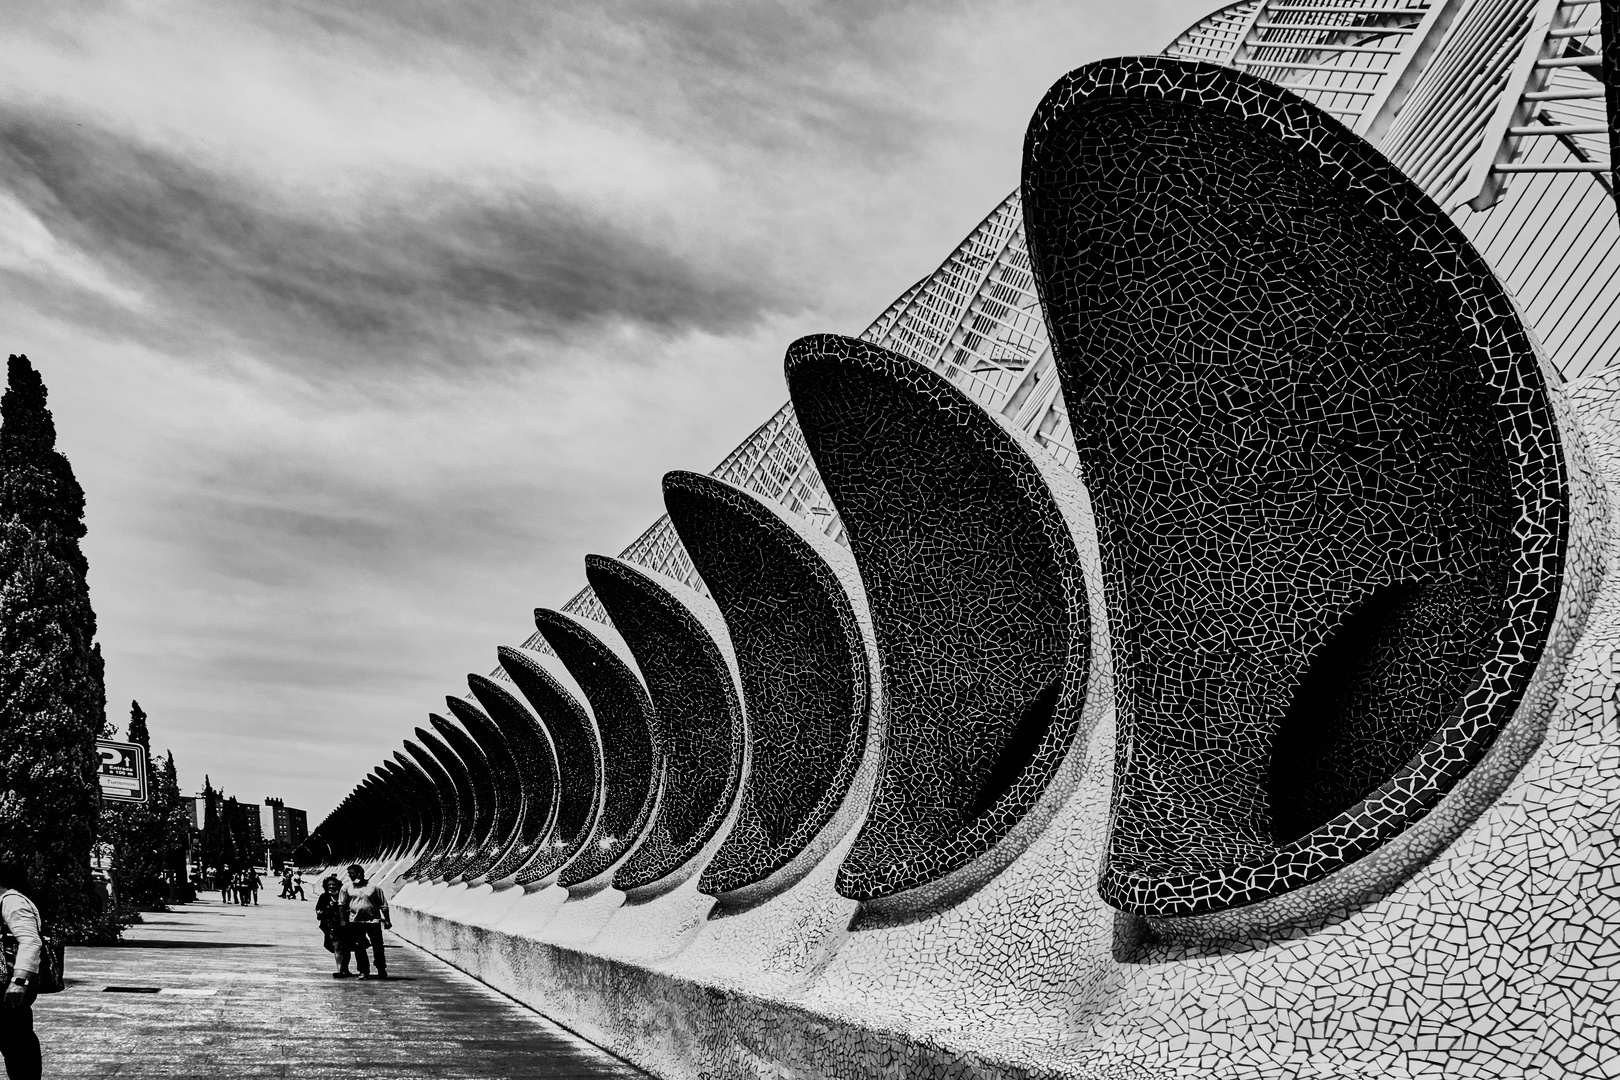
<point>363,322</point>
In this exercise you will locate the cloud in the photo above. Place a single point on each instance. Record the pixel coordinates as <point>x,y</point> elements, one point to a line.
<point>28,248</point>
<point>444,279</point>
<point>364,321</point>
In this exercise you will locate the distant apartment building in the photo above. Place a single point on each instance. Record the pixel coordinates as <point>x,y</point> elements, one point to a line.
<point>247,824</point>
<point>285,827</point>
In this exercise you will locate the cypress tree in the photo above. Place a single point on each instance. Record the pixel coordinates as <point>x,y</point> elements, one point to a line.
<point>177,821</point>
<point>242,846</point>
<point>146,838</point>
<point>138,733</point>
<point>216,854</point>
<point>52,698</point>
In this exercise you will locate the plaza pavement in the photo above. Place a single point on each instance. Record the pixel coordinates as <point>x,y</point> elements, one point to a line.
<point>246,992</point>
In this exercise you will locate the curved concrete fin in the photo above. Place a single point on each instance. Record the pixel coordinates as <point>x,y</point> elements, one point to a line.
<point>601,664</point>
<point>403,826</point>
<point>486,797</point>
<point>435,809</point>
<point>578,754</point>
<point>472,805</point>
<point>1330,488</point>
<point>536,759</point>
<point>505,780</point>
<point>458,815</point>
<point>965,537</point>
<point>806,671</point>
<point>679,642</point>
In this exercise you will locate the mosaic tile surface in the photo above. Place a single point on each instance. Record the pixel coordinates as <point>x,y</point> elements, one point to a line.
<point>400,826</point>
<point>1478,941</point>
<point>977,598</point>
<point>578,761</point>
<point>474,805</point>
<point>1328,482</point>
<point>804,668</point>
<point>438,826</point>
<point>623,714</point>
<point>369,793</point>
<point>494,771</point>
<point>448,840</point>
<point>675,636</point>
<point>537,778</point>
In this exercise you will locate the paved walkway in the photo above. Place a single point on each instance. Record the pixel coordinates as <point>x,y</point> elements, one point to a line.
<point>248,992</point>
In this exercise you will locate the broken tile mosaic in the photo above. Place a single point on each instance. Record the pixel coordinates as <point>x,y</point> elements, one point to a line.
<point>1328,483</point>
<point>803,666</point>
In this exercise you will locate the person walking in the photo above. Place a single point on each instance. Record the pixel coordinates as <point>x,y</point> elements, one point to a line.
<point>329,916</point>
<point>286,884</point>
<point>254,884</point>
<point>19,918</point>
<point>298,885</point>
<point>365,910</point>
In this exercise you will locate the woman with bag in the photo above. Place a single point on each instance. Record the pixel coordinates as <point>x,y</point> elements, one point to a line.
<point>329,914</point>
<point>20,918</point>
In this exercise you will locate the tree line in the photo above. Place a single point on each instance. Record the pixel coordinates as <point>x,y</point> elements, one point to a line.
<point>149,841</point>
<point>53,704</point>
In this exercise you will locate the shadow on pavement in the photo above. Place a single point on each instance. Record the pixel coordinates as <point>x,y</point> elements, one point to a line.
<point>158,943</point>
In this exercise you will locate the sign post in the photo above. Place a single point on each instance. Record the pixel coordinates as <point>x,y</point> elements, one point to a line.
<point>123,771</point>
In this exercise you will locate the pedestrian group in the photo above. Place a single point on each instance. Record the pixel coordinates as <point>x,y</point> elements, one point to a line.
<point>352,918</point>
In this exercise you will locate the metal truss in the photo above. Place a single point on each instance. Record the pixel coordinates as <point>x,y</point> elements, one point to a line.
<point>1463,95</point>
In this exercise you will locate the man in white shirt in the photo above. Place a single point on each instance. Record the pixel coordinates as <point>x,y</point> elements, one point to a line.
<point>365,911</point>
<point>18,1043</point>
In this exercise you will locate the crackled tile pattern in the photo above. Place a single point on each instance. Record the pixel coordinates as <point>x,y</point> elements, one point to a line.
<point>494,772</point>
<point>697,713</point>
<point>1327,477</point>
<point>623,714</point>
<point>458,822</point>
<point>803,666</point>
<point>430,803</point>
<point>368,794</point>
<point>537,771</point>
<point>400,825</point>
<point>473,802</point>
<point>448,838</point>
<point>977,599</point>
<point>578,756</point>
<point>1496,958</point>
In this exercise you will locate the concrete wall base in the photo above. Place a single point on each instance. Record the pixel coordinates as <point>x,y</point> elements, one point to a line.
<point>677,1028</point>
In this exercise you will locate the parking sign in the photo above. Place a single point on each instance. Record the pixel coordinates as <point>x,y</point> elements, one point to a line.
<point>123,771</point>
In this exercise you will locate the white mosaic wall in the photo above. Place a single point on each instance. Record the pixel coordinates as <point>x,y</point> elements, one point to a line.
<point>1498,957</point>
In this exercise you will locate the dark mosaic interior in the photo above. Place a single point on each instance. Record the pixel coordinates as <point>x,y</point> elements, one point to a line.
<point>437,825</point>
<point>455,824</point>
<point>371,793</point>
<point>697,716</point>
<point>578,761</point>
<point>977,601</point>
<point>403,826</point>
<point>623,715</point>
<point>474,801</point>
<point>502,783</point>
<point>1328,485</point>
<point>802,664</point>
<point>537,777</point>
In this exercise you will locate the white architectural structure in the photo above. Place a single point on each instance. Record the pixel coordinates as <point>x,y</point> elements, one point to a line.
<point>1494,107</point>
<point>1473,936</point>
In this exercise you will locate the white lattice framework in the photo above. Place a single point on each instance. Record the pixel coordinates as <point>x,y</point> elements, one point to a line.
<point>1494,107</point>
